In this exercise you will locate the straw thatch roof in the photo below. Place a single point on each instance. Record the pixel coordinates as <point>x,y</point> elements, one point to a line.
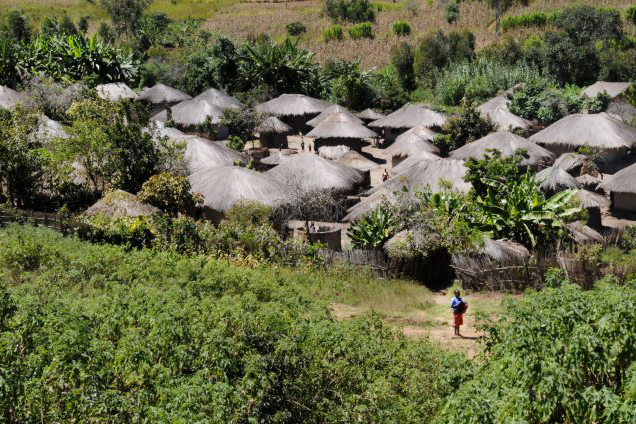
<point>115,91</point>
<point>368,204</point>
<point>417,139</point>
<point>276,159</point>
<point>429,173</point>
<point>409,116</point>
<point>219,99</point>
<point>588,180</point>
<point>311,172</point>
<point>555,179</point>
<point>598,130</point>
<point>507,143</point>
<point>223,186</point>
<point>370,115</point>
<point>292,105</point>
<point>201,153</point>
<point>171,133</point>
<point>503,250</point>
<point>497,110</point>
<point>333,152</point>
<point>613,89</point>
<point>591,200</point>
<point>581,233</point>
<point>357,161</point>
<point>330,111</point>
<point>161,93</point>
<point>339,125</point>
<point>624,181</point>
<point>570,161</point>
<point>414,160</point>
<point>119,204</point>
<point>273,125</point>
<point>192,112</point>
<point>9,98</point>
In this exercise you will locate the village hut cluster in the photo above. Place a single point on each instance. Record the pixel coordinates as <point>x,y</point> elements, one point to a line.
<point>306,144</point>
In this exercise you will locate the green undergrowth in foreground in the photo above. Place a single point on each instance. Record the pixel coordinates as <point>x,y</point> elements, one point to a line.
<point>97,333</point>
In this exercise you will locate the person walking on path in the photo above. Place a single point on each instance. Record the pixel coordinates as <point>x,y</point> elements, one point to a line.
<point>459,308</point>
<point>302,144</point>
<point>385,175</point>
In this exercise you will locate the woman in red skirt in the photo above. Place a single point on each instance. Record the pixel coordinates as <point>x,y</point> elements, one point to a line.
<point>459,308</point>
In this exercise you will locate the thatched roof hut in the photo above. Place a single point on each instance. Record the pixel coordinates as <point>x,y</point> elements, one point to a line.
<point>503,250</point>
<point>582,234</point>
<point>591,200</point>
<point>9,98</point>
<point>599,131</point>
<point>162,94</point>
<point>409,116</point>
<point>554,179</point>
<point>201,154</point>
<point>293,105</point>
<point>613,89</point>
<point>275,159</point>
<point>219,99</point>
<point>355,160</point>
<point>119,203</point>
<point>414,160</point>
<point>429,173</point>
<point>589,182</point>
<point>311,172</point>
<point>570,162</point>
<point>223,186</point>
<point>507,143</point>
<point>417,139</point>
<point>369,115</point>
<point>333,152</point>
<point>330,111</point>
<point>115,91</point>
<point>368,204</point>
<point>497,110</point>
<point>273,125</point>
<point>191,113</point>
<point>340,126</point>
<point>624,181</point>
<point>171,133</point>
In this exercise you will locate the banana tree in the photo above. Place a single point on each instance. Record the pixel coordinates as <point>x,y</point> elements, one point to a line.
<point>373,230</point>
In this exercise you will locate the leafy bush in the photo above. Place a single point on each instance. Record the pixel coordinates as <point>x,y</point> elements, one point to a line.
<point>402,59</point>
<point>126,14</point>
<point>452,11</point>
<point>349,10</point>
<point>436,51</point>
<point>348,84</point>
<point>170,193</point>
<point>236,143</point>
<point>539,99</point>
<point>558,355</point>
<point>333,32</point>
<point>630,14</point>
<point>296,28</point>
<point>528,20</point>
<point>361,30</point>
<point>17,25</point>
<point>401,28</point>
<point>372,231</point>
<point>467,127</point>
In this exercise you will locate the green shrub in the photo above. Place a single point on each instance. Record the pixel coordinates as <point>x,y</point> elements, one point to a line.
<point>170,193</point>
<point>372,231</point>
<point>401,28</point>
<point>437,50</point>
<point>452,11</point>
<point>17,25</point>
<point>402,60</point>
<point>349,10</point>
<point>630,14</point>
<point>528,20</point>
<point>295,28</point>
<point>361,30</point>
<point>333,32</point>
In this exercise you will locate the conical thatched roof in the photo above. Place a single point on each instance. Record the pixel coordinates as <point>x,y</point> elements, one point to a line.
<point>161,93</point>
<point>591,200</point>
<point>370,115</point>
<point>569,161</point>
<point>9,98</point>
<point>507,143</point>
<point>201,154</point>
<point>223,186</point>
<point>115,91</point>
<point>276,159</point>
<point>497,110</point>
<point>333,152</point>
<point>588,180</point>
<point>581,233</point>
<point>330,111</point>
<point>409,116</point>
<point>555,179</point>
<point>503,250</point>
<point>273,125</point>
<point>355,160</point>
<point>192,112</point>
<point>414,160</point>
<point>598,130</point>
<point>292,105</point>
<point>311,172</point>
<point>120,203</point>
<point>429,173</point>
<point>613,89</point>
<point>339,125</point>
<point>417,139</point>
<point>624,181</point>
<point>368,204</point>
<point>171,133</point>
<point>219,99</point>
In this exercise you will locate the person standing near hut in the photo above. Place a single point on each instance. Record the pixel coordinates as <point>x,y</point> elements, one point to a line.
<point>302,144</point>
<point>385,175</point>
<point>459,309</point>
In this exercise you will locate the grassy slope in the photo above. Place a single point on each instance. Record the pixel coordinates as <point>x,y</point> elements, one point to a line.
<point>240,19</point>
